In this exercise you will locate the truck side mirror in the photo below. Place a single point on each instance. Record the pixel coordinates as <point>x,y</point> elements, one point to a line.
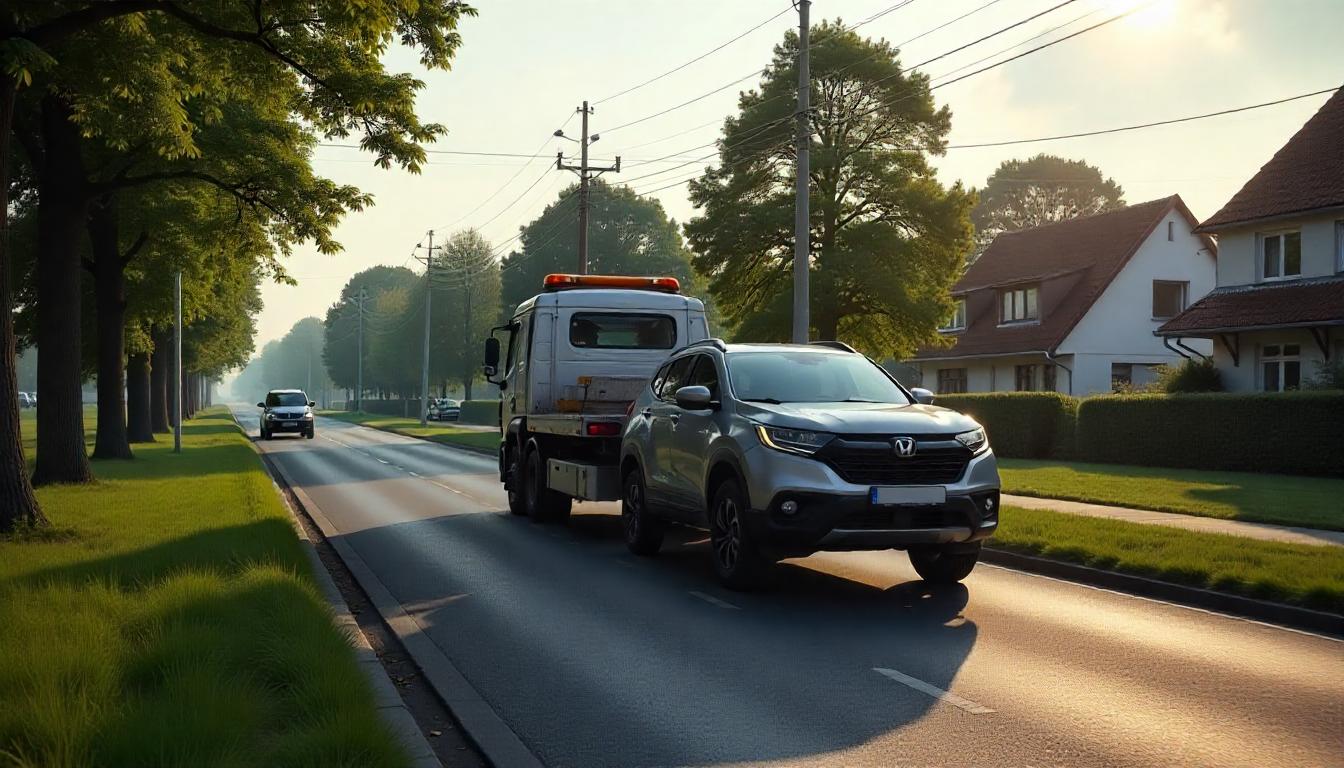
<point>922,396</point>
<point>491,356</point>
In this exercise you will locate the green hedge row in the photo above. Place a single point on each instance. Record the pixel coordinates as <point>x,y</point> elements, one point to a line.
<point>1300,433</point>
<point>480,412</point>
<point>1024,425</point>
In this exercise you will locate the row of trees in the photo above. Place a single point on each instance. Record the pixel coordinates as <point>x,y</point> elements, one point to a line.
<point>292,361</point>
<point>141,139</point>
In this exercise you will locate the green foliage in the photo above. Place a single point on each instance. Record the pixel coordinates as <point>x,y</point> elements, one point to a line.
<point>627,235</point>
<point>1028,425</point>
<point>480,412</point>
<point>1021,194</point>
<point>466,307</point>
<point>387,291</point>
<point>888,240</point>
<point>1196,375</point>
<point>291,362</point>
<point>1299,433</point>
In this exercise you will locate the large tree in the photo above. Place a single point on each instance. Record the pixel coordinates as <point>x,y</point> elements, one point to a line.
<point>1021,194</point>
<point>466,305</point>
<point>627,234</point>
<point>887,240</point>
<point>385,328</point>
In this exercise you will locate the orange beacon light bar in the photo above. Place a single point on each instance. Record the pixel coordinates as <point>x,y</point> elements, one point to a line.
<point>557,282</point>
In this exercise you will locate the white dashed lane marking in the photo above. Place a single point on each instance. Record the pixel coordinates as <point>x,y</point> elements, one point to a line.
<point>934,691</point>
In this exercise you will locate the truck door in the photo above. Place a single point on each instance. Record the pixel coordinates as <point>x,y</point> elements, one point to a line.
<point>692,436</point>
<point>663,416</point>
<point>515,370</point>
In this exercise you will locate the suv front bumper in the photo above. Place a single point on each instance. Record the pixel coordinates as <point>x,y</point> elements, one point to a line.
<point>836,515</point>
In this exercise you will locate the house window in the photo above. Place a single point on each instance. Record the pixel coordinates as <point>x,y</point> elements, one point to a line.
<point>1026,378</point>
<point>1122,376</point>
<point>1281,255</point>
<point>1281,367</point>
<point>957,322</point>
<point>1168,298</point>
<point>1048,377</point>
<point>1171,231</point>
<point>951,380</point>
<point>1018,305</point>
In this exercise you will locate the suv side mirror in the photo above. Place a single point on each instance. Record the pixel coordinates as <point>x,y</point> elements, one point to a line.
<point>261,405</point>
<point>922,396</point>
<point>694,398</point>
<point>312,404</point>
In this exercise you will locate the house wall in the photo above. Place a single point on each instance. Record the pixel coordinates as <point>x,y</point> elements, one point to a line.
<point>1248,376</point>
<point>1119,326</point>
<point>1237,263</point>
<point>997,374</point>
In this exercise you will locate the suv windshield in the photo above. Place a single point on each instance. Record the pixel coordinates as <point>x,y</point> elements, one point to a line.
<point>809,377</point>
<point>285,399</point>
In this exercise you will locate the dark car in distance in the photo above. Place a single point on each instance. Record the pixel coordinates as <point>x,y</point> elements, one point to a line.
<point>286,411</point>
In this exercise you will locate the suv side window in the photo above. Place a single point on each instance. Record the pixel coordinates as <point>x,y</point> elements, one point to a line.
<point>705,375</point>
<point>658,378</point>
<point>676,377</point>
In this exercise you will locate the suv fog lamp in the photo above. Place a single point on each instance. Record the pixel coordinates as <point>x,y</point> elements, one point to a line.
<point>789,507</point>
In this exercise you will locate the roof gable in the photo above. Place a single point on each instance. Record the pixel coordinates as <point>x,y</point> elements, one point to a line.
<point>1306,174</point>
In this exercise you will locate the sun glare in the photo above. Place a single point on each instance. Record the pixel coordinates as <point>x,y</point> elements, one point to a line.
<point>1147,13</point>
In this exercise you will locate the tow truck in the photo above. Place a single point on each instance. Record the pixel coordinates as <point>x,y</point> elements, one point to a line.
<point>575,357</point>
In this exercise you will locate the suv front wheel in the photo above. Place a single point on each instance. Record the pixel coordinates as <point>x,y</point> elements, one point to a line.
<point>737,560</point>
<point>946,564</point>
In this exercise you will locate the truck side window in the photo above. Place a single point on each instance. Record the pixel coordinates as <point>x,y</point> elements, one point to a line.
<point>705,375</point>
<point>677,376</point>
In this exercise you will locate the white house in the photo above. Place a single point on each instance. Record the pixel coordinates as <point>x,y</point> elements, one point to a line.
<point>1072,306</point>
<point>1276,313</point>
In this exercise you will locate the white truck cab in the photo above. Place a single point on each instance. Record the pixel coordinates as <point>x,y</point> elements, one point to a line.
<point>576,356</point>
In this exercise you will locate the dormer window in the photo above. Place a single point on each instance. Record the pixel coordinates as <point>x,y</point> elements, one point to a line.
<point>1018,305</point>
<point>1281,255</point>
<point>957,321</point>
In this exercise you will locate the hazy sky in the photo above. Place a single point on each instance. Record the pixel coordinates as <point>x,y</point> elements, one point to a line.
<point>526,64</point>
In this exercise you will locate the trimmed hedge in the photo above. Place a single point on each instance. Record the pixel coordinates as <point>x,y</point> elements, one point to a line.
<point>480,412</point>
<point>1023,425</point>
<point>1299,433</point>
<point>405,408</point>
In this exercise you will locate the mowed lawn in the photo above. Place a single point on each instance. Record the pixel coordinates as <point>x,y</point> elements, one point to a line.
<point>170,618</point>
<point>1314,502</point>
<point>439,432</point>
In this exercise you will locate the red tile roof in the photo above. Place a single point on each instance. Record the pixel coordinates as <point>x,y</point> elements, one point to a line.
<point>1317,301</point>
<point>1306,174</point>
<point>1072,261</point>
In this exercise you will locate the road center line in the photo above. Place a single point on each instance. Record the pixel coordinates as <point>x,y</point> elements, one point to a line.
<point>934,691</point>
<point>712,600</point>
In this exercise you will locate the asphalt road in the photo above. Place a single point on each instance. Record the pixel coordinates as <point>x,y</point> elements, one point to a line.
<point>596,657</point>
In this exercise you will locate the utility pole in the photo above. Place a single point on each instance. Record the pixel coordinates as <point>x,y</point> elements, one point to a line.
<point>177,363</point>
<point>424,363</point>
<point>802,231</point>
<point>584,171</point>
<point>359,346</point>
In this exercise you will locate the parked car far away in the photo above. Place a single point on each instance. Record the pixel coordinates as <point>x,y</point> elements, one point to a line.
<point>26,400</point>
<point>783,450</point>
<point>286,410</point>
<point>443,409</point>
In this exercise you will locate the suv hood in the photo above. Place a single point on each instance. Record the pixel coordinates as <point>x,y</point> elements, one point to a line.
<point>860,418</point>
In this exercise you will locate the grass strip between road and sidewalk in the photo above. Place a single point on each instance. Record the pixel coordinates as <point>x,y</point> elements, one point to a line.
<point>1297,574</point>
<point>170,616</point>
<point>1312,502</point>
<point>483,440</point>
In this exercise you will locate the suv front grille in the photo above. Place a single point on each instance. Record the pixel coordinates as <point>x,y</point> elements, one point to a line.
<point>876,463</point>
<point>900,518</point>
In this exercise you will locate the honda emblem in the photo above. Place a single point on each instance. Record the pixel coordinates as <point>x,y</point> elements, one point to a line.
<point>905,446</point>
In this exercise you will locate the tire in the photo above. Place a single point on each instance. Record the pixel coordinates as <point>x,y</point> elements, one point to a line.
<point>543,504</point>
<point>643,532</point>
<point>944,565</point>
<point>517,502</point>
<point>265,435</point>
<point>738,562</point>
<point>310,434</point>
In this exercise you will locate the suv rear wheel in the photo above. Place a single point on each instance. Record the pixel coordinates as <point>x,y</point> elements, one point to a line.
<point>643,532</point>
<point>946,564</point>
<point>543,504</point>
<point>737,560</point>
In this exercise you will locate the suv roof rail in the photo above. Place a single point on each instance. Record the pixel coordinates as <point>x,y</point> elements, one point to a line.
<point>713,342</point>
<point>840,345</point>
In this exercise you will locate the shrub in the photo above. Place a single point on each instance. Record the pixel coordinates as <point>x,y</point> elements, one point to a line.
<point>1024,425</point>
<point>1328,375</point>
<point>406,408</point>
<point>479,412</point>
<point>1199,375</point>
<point>1292,432</point>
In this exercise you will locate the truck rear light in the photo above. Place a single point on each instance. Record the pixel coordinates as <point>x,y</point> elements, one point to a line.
<point>603,429</point>
<point>555,282</point>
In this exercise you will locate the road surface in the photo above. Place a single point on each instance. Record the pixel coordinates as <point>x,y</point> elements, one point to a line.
<point>596,657</point>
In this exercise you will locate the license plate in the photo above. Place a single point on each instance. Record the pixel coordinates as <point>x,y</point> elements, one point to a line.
<point>290,424</point>
<point>908,494</point>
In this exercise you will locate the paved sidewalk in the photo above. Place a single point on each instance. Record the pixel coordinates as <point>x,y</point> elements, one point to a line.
<point>1261,531</point>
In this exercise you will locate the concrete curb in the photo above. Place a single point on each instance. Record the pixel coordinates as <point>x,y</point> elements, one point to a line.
<point>1236,605</point>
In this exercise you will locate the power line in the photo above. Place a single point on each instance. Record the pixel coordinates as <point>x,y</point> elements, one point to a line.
<point>1018,44</point>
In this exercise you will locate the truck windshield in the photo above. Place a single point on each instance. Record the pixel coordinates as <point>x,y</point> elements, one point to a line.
<point>809,377</point>
<point>285,399</point>
<point>610,330</point>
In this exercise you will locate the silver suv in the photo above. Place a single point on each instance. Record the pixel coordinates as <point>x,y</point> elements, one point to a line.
<point>782,450</point>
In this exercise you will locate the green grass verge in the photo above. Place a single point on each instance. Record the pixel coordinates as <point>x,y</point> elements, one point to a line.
<point>1314,502</point>
<point>1299,574</point>
<point>449,434</point>
<point>172,619</point>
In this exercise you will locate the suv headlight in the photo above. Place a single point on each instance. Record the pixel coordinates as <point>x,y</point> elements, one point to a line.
<point>975,439</point>
<point>270,416</point>
<point>792,440</point>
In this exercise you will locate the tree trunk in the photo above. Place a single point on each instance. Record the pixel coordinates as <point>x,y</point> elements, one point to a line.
<point>18,505</point>
<point>466,388</point>
<point>139,424</point>
<point>61,211</point>
<point>110,441</point>
<point>158,384</point>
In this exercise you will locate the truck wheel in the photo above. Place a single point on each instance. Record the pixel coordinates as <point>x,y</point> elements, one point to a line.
<point>517,502</point>
<point>543,504</point>
<point>737,560</point>
<point>643,532</point>
<point>944,565</point>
